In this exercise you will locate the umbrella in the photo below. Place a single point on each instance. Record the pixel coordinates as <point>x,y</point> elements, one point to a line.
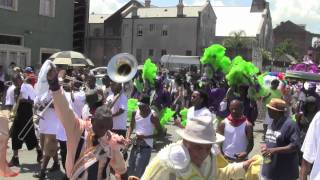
<point>90,63</point>
<point>70,58</point>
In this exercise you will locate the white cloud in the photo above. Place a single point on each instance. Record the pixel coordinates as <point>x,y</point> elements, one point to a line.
<point>298,11</point>
<point>105,6</point>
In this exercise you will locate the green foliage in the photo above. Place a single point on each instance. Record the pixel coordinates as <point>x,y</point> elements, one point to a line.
<point>236,40</point>
<point>286,47</point>
<point>266,55</point>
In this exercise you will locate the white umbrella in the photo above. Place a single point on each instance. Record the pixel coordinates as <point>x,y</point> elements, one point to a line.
<point>70,58</point>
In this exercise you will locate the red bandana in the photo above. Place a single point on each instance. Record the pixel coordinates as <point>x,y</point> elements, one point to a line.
<point>236,122</point>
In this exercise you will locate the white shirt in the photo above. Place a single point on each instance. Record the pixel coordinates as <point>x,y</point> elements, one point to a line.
<point>27,91</point>
<point>144,126</point>
<point>311,147</point>
<point>78,102</point>
<point>61,133</point>
<point>192,113</point>
<point>119,122</point>
<point>10,96</point>
<point>49,123</point>
<point>236,140</point>
<point>106,91</point>
<point>85,114</point>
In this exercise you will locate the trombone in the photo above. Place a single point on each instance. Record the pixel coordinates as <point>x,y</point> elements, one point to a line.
<point>28,127</point>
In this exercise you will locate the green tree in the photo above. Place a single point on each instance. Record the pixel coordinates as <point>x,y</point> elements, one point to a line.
<point>266,57</point>
<point>237,42</point>
<point>286,47</point>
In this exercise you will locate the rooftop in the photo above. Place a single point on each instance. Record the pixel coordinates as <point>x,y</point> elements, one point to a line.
<point>97,18</point>
<point>188,11</point>
<point>230,19</point>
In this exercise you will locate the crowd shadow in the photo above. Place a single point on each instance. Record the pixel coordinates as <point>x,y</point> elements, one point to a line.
<point>29,168</point>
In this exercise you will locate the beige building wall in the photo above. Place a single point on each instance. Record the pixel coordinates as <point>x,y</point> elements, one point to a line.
<point>181,37</point>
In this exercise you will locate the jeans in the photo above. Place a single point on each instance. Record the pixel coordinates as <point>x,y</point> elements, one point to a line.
<point>139,158</point>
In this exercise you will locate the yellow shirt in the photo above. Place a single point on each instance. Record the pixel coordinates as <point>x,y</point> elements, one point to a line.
<point>214,167</point>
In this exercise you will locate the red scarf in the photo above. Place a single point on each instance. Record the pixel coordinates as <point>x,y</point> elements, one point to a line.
<point>236,122</point>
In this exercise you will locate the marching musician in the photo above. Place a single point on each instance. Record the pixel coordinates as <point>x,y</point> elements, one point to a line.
<point>92,148</point>
<point>48,130</point>
<point>119,109</point>
<point>24,96</point>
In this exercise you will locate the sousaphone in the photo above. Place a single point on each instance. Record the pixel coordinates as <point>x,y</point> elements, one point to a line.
<point>122,67</point>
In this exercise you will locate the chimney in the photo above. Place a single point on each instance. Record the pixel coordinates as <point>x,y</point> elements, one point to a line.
<point>147,3</point>
<point>180,9</point>
<point>258,5</point>
<point>134,10</point>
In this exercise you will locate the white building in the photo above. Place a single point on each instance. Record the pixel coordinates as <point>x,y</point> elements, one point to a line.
<point>156,31</point>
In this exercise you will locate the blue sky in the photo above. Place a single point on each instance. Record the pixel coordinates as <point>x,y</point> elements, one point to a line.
<point>298,11</point>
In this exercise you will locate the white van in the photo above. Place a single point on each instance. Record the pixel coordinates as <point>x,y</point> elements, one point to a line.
<point>176,62</point>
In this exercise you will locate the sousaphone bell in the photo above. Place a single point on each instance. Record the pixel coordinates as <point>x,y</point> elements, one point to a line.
<point>122,67</point>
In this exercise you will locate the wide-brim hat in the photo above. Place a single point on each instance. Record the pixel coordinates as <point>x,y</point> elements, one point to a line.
<point>277,105</point>
<point>200,130</point>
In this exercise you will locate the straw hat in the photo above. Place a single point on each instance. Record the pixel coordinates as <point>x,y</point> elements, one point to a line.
<point>277,104</point>
<point>200,130</point>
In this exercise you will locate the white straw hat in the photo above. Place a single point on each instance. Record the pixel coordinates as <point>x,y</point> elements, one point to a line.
<point>200,130</point>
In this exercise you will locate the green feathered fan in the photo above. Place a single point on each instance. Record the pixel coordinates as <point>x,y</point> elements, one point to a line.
<point>149,71</point>
<point>215,56</point>
<point>183,113</point>
<point>132,106</point>
<point>166,115</point>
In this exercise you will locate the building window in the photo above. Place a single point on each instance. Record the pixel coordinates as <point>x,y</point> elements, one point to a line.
<point>139,30</point>
<point>47,8</point>
<point>151,52</point>
<point>139,55</point>
<point>163,52</point>
<point>9,4</point>
<point>188,53</point>
<point>45,53</point>
<point>164,31</point>
<point>11,40</point>
<point>152,27</point>
<point>109,31</point>
<point>124,29</point>
<point>97,32</point>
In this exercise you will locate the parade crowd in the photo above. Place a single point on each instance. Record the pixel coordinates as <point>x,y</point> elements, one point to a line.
<point>87,125</point>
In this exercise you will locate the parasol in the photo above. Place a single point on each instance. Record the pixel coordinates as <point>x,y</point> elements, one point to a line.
<point>70,58</point>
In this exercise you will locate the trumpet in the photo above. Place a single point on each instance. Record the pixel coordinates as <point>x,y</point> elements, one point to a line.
<point>28,127</point>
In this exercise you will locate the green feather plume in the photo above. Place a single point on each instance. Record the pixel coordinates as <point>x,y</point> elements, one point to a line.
<point>166,115</point>
<point>149,71</point>
<point>183,113</point>
<point>241,72</point>
<point>215,56</point>
<point>132,106</point>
